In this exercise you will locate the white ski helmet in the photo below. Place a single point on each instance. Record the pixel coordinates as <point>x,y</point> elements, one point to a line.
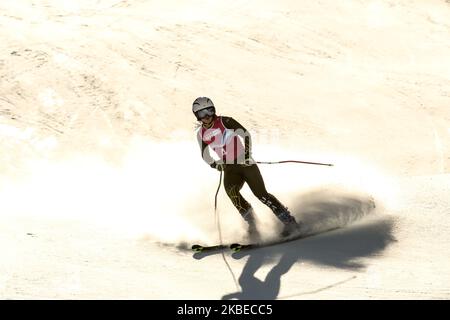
<point>203,103</point>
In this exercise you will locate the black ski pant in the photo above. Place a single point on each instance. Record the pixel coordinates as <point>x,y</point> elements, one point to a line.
<point>234,177</point>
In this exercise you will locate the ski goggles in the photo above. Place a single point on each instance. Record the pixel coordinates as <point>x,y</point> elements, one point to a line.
<point>204,113</point>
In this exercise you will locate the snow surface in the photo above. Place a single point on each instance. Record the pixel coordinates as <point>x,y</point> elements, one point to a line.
<point>103,188</point>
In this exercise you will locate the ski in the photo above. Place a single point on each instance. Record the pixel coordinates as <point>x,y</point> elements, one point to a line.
<point>200,248</point>
<point>237,247</point>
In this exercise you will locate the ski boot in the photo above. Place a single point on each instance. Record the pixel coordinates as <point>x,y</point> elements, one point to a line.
<point>290,229</point>
<point>290,225</point>
<point>252,231</point>
<point>283,214</point>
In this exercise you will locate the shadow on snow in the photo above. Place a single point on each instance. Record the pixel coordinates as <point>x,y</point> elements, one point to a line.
<point>342,248</point>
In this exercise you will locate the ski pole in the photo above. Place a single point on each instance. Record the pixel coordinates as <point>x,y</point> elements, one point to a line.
<point>219,228</point>
<point>295,161</point>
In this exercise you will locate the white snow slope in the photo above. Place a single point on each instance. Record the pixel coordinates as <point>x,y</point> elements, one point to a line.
<point>102,186</point>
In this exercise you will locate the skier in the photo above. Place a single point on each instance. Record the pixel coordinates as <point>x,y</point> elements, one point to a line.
<point>221,134</point>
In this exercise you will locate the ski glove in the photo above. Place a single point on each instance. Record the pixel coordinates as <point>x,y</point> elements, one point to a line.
<point>248,163</point>
<point>218,166</point>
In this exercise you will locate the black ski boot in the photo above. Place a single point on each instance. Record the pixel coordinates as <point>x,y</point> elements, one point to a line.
<point>290,229</point>
<point>252,231</point>
<point>290,225</point>
<point>283,214</point>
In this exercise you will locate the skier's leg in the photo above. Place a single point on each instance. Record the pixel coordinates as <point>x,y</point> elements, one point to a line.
<point>256,183</point>
<point>233,182</point>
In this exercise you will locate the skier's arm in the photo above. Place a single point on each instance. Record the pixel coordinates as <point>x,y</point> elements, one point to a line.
<point>230,123</point>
